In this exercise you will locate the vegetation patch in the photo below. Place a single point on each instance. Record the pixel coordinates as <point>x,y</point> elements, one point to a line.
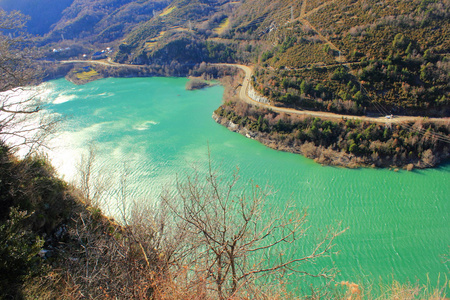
<point>167,11</point>
<point>87,75</point>
<point>82,75</point>
<point>196,84</point>
<point>222,26</point>
<point>150,45</point>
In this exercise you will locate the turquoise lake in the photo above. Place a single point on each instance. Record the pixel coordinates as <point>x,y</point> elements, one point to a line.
<point>154,130</point>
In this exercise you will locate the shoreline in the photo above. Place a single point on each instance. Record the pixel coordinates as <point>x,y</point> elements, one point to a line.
<point>320,154</point>
<point>338,159</point>
<point>81,72</point>
<point>323,155</point>
<point>211,73</point>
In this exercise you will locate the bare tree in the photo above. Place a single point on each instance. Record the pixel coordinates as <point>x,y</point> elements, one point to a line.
<point>120,260</point>
<point>22,121</point>
<point>235,237</point>
<point>94,182</point>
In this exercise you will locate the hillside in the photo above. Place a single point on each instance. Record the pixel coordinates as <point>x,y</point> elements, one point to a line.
<point>98,21</point>
<point>42,16</point>
<point>103,20</point>
<point>56,244</point>
<point>361,57</point>
<point>179,33</point>
<point>346,56</point>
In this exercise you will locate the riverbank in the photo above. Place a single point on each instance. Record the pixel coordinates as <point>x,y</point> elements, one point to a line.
<point>318,154</point>
<point>348,143</point>
<point>80,72</point>
<point>406,142</point>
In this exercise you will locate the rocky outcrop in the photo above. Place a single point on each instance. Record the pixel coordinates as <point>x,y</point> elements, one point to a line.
<point>235,127</point>
<point>256,97</point>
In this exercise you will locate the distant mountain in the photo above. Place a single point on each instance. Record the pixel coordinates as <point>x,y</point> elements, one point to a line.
<point>43,13</point>
<point>89,20</point>
<point>178,33</point>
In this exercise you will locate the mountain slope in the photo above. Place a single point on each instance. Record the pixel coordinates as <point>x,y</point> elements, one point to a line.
<point>345,56</point>
<point>42,15</point>
<point>103,20</point>
<point>349,56</point>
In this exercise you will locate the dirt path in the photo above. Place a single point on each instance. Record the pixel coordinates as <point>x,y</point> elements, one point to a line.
<point>322,37</point>
<point>303,9</point>
<point>312,11</point>
<point>304,21</point>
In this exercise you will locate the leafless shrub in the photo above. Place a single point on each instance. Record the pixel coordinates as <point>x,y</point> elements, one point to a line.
<point>229,236</point>
<point>94,186</point>
<point>23,123</point>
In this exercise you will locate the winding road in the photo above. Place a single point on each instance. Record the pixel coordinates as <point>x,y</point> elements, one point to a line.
<point>243,95</point>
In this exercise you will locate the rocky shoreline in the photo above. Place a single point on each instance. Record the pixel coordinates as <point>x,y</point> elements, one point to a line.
<point>320,154</point>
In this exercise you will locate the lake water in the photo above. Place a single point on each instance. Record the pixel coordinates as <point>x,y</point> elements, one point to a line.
<point>154,130</point>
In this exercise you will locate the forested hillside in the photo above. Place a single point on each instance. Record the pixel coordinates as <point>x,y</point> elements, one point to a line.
<point>354,57</point>
<point>92,21</point>
<point>362,56</point>
<point>103,20</point>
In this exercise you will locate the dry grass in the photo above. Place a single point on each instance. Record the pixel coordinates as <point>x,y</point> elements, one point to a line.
<point>153,42</point>
<point>167,11</point>
<point>150,45</point>
<point>87,75</point>
<point>222,26</point>
<point>409,291</point>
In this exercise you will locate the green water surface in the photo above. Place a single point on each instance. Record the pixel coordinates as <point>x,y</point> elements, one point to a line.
<point>155,130</point>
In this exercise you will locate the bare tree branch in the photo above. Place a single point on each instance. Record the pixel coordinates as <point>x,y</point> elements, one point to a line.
<point>23,122</point>
<point>235,238</point>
